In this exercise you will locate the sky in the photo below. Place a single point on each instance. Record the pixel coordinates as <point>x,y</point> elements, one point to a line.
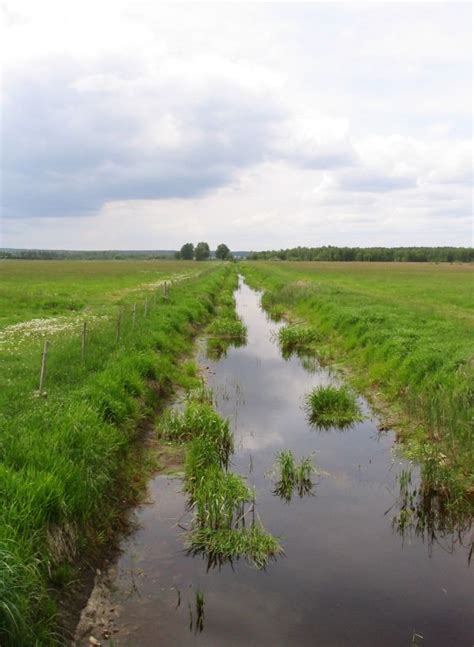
<point>138,125</point>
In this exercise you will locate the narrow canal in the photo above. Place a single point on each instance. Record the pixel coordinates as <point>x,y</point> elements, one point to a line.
<point>349,578</point>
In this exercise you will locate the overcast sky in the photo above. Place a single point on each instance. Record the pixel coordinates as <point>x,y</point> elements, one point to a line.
<point>130,125</point>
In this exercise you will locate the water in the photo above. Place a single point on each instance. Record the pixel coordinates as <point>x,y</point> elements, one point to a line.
<point>348,578</point>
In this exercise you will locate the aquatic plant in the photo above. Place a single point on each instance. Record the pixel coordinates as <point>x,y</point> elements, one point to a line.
<point>423,509</point>
<point>199,626</point>
<point>296,339</point>
<point>252,543</point>
<point>219,498</point>
<point>406,329</point>
<point>228,328</point>
<point>217,347</point>
<point>292,475</point>
<point>331,406</point>
<point>200,421</point>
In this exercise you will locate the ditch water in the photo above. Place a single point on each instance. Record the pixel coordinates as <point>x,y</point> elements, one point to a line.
<point>348,577</point>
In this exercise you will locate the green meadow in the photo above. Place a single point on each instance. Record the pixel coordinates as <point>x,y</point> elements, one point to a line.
<point>31,289</point>
<point>406,331</point>
<point>120,333</point>
<point>72,456</point>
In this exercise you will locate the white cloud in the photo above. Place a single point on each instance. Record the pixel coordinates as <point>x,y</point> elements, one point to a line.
<point>262,125</point>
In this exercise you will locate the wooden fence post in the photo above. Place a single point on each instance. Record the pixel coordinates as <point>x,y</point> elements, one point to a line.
<point>43,366</point>
<point>119,324</point>
<point>84,341</point>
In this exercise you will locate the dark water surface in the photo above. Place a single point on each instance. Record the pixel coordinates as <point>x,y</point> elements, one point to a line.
<point>348,578</point>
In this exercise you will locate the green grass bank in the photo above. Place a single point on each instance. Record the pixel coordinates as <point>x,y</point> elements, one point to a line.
<point>406,331</point>
<point>68,464</point>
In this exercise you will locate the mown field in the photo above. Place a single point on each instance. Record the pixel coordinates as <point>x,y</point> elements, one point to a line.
<point>70,456</point>
<point>407,332</point>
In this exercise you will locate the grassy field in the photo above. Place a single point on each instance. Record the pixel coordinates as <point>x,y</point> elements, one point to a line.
<point>30,289</point>
<point>406,330</point>
<point>68,456</point>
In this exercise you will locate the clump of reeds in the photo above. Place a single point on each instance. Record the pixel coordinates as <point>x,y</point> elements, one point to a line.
<point>296,339</point>
<point>293,475</point>
<point>219,499</point>
<point>228,328</point>
<point>198,420</point>
<point>331,406</point>
<point>253,543</point>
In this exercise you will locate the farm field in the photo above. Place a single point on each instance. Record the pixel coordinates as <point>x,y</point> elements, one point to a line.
<point>407,331</point>
<point>121,334</point>
<point>31,289</point>
<point>69,454</point>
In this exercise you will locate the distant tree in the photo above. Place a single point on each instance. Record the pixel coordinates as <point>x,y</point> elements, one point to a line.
<point>202,251</point>
<point>187,252</point>
<point>223,252</point>
<point>177,255</point>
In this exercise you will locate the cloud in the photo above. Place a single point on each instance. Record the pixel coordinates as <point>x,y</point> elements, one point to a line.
<point>73,140</point>
<point>264,125</point>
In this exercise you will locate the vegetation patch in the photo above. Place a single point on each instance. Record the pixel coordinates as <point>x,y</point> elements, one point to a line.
<point>253,543</point>
<point>67,465</point>
<point>296,339</point>
<point>331,406</point>
<point>228,329</point>
<point>292,475</point>
<point>220,500</point>
<point>405,329</point>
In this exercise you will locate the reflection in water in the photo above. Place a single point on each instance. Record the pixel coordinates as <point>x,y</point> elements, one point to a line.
<point>348,579</point>
<point>293,476</point>
<point>217,347</point>
<point>426,513</point>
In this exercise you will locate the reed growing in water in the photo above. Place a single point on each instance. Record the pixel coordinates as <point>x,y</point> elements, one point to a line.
<point>331,406</point>
<point>293,475</point>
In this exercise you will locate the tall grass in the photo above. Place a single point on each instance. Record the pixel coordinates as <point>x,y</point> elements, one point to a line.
<point>406,331</point>
<point>219,499</point>
<point>66,459</point>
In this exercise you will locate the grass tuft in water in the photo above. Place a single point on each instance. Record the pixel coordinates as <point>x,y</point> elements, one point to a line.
<point>220,500</point>
<point>331,406</point>
<point>228,328</point>
<point>293,475</point>
<point>296,339</point>
<point>253,543</point>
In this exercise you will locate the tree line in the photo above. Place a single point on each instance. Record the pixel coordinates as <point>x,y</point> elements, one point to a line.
<point>202,252</point>
<point>407,254</point>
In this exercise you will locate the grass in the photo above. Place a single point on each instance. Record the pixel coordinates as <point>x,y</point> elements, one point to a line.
<point>292,475</point>
<point>406,331</point>
<point>220,500</point>
<point>69,462</point>
<point>296,339</point>
<point>217,497</point>
<point>31,289</point>
<point>331,406</point>
<point>226,329</point>
<point>256,545</point>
